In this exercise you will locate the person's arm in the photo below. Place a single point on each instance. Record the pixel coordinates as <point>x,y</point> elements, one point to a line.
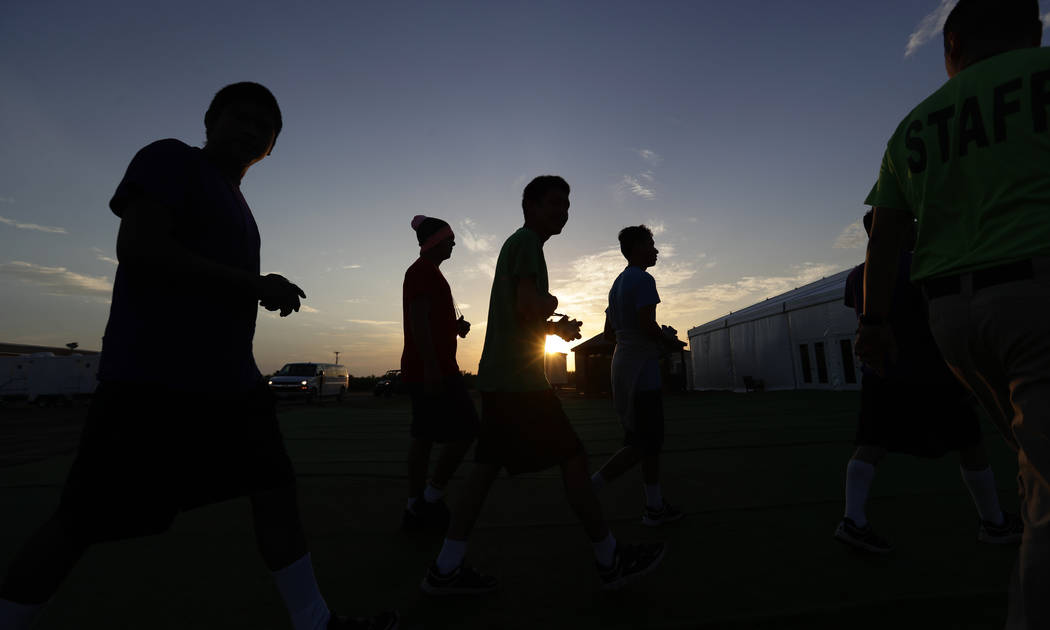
<point>609,334</point>
<point>145,243</point>
<point>875,342</point>
<point>530,304</point>
<point>647,323</point>
<point>419,322</point>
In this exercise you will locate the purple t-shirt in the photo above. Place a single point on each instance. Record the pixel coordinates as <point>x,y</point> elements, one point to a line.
<point>180,333</point>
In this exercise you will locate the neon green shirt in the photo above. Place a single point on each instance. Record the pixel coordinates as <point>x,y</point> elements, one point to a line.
<point>972,164</point>
<point>512,359</point>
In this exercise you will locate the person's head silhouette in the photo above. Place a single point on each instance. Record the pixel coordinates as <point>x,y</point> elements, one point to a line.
<point>545,203</point>
<point>242,124</point>
<point>978,29</point>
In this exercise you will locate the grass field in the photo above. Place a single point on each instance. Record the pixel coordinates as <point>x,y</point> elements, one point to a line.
<point>760,477</point>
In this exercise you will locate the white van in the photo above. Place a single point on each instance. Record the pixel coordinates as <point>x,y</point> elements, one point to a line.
<point>310,380</point>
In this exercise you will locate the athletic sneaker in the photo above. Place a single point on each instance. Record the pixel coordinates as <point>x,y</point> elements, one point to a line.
<point>1007,533</point>
<point>463,580</point>
<point>861,537</point>
<point>666,514</point>
<point>630,562</point>
<point>387,620</point>
<point>425,515</point>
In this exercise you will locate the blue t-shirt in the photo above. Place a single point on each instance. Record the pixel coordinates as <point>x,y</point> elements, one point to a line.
<point>632,290</point>
<point>174,331</point>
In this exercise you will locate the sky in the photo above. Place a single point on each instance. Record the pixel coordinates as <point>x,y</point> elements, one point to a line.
<point>747,135</point>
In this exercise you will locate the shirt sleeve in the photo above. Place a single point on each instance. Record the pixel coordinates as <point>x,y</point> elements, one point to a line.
<point>854,297</point>
<point>525,258</point>
<point>887,192</point>
<point>645,294</point>
<point>158,172</point>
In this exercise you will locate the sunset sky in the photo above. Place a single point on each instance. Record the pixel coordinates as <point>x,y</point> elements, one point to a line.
<point>746,134</point>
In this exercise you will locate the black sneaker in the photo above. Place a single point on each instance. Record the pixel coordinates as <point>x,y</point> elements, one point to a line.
<point>666,514</point>
<point>630,562</point>
<point>862,538</point>
<point>1007,533</point>
<point>386,620</point>
<point>463,580</point>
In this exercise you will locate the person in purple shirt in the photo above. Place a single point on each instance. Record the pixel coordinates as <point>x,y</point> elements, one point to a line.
<point>164,435</point>
<point>915,406</point>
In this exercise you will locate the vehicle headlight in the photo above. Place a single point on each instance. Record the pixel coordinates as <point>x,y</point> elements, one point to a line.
<point>302,382</point>
<point>269,382</point>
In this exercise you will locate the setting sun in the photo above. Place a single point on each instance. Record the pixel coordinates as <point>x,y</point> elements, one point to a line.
<point>556,344</point>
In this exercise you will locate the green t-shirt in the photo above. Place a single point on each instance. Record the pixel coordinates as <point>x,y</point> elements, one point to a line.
<point>512,359</point>
<point>972,164</point>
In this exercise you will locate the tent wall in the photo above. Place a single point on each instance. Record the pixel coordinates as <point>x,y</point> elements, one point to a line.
<point>802,339</point>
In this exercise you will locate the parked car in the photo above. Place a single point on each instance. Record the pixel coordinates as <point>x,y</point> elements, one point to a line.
<point>389,384</point>
<point>310,380</point>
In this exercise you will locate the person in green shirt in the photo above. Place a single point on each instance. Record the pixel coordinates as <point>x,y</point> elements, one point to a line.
<point>969,165</point>
<point>523,425</point>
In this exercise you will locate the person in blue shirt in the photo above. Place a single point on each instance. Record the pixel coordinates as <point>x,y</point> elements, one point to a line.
<point>630,321</point>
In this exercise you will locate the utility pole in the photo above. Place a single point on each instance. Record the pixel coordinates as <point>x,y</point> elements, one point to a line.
<point>336,357</point>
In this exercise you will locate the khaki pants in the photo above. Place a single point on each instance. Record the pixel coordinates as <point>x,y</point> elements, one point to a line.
<point>997,341</point>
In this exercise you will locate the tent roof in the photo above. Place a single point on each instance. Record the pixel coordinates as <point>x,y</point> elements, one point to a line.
<point>827,289</point>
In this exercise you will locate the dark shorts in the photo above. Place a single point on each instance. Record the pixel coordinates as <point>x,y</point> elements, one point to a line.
<point>147,454</point>
<point>925,420</point>
<point>449,416</point>
<point>525,431</point>
<point>648,433</point>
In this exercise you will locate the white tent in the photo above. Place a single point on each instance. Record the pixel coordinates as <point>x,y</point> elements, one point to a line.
<point>802,339</point>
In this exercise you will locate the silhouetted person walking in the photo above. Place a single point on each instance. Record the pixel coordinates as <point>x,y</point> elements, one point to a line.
<point>969,163</point>
<point>523,425</point>
<point>630,321</point>
<point>157,442</point>
<point>915,407</point>
<point>442,410</point>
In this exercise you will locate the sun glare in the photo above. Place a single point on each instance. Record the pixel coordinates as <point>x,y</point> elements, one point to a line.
<point>556,344</point>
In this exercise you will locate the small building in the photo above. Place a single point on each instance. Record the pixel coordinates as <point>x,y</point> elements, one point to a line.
<point>802,339</point>
<point>594,366</point>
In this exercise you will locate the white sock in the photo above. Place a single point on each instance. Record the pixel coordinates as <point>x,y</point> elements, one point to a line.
<point>981,484</point>
<point>451,555</point>
<point>298,587</point>
<point>411,505</point>
<point>654,500</point>
<point>433,494</point>
<point>859,475</point>
<point>597,482</point>
<point>15,616</point>
<point>605,550</point>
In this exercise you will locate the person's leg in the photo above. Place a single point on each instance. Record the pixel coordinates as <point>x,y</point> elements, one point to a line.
<point>418,464</point>
<point>860,473</point>
<point>451,457</point>
<point>475,489</point>
<point>623,460</point>
<point>980,481</point>
<point>34,576</point>
<point>584,502</point>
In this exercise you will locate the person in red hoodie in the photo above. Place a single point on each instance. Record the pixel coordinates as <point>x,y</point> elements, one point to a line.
<point>442,410</point>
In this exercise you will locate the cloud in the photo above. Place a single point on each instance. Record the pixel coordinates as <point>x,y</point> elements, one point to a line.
<point>720,297</point>
<point>372,322</point>
<point>473,239</point>
<point>658,228</point>
<point>351,266</point>
<point>57,280</point>
<point>852,237</point>
<point>650,157</point>
<point>930,27</point>
<point>33,226</point>
<point>355,300</point>
<point>112,261</point>
<point>307,309</point>
<point>631,184</point>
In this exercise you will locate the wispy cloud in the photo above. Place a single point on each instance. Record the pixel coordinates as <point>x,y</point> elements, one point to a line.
<point>852,237</point>
<point>351,266</point>
<point>929,27</point>
<point>33,226</point>
<point>372,322</point>
<point>631,184</point>
<point>650,157</point>
<point>307,309</point>
<point>112,261</point>
<point>473,238</point>
<point>641,184</point>
<point>57,280</point>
